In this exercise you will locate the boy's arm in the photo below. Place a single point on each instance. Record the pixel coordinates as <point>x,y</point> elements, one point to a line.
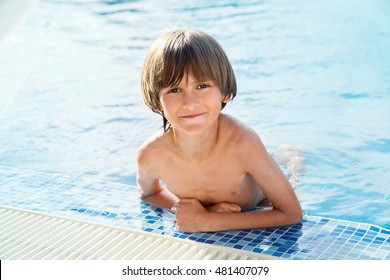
<point>149,187</point>
<point>162,199</point>
<point>192,216</point>
<point>274,184</point>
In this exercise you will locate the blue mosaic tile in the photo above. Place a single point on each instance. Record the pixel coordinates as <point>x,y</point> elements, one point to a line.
<point>117,204</point>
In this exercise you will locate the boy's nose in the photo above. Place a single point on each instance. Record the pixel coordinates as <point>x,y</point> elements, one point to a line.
<point>190,99</point>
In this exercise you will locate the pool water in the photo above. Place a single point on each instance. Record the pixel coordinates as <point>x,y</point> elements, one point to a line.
<point>312,74</point>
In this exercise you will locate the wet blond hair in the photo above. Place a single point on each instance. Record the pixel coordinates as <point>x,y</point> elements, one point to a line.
<point>178,53</point>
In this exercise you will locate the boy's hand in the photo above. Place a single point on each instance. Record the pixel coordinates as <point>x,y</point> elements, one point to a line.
<point>225,207</point>
<point>190,215</point>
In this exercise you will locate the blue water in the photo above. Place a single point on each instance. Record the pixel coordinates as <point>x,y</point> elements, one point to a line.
<point>313,74</point>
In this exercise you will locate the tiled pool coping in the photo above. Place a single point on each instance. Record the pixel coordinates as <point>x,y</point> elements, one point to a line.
<point>118,205</point>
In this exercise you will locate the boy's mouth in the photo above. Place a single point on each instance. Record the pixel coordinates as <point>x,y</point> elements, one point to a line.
<point>192,116</point>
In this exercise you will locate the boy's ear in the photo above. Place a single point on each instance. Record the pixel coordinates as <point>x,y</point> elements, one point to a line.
<point>226,98</point>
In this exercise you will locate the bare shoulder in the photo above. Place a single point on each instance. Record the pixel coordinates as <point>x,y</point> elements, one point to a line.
<point>148,151</point>
<point>244,143</point>
<point>250,152</point>
<point>239,134</point>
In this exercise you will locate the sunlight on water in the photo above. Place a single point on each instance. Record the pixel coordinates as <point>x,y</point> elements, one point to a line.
<point>313,74</point>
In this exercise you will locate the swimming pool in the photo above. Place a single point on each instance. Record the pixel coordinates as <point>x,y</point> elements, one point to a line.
<point>313,75</point>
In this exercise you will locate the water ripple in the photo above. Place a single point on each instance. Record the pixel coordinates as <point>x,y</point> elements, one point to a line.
<point>311,73</point>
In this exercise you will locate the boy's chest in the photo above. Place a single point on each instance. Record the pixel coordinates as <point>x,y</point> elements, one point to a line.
<point>209,183</point>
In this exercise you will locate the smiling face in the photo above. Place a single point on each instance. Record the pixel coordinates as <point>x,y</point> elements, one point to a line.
<point>192,106</point>
<point>169,60</point>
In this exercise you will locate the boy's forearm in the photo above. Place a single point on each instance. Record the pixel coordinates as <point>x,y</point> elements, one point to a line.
<point>163,199</point>
<point>248,220</point>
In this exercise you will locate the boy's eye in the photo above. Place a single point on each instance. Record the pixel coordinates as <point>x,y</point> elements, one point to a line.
<point>201,86</point>
<point>174,90</point>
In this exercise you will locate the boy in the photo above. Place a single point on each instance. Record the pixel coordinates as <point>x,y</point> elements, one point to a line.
<point>215,169</point>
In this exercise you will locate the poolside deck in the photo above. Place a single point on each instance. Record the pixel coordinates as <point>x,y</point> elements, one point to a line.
<point>26,235</point>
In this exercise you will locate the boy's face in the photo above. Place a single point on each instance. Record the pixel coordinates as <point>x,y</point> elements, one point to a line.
<point>192,106</point>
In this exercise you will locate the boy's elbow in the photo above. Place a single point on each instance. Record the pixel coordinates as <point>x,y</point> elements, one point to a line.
<point>144,197</point>
<point>142,194</point>
<point>296,217</point>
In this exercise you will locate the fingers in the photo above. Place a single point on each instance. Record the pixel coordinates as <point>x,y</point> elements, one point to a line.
<point>183,203</point>
<point>225,207</point>
<point>189,215</point>
<point>234,208</point>
<point>231,207</point>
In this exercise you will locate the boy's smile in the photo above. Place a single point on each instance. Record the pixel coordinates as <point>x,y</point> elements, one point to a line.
<point>192,116</point>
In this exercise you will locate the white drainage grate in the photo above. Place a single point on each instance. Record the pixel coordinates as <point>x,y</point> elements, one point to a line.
<point>26,235</point>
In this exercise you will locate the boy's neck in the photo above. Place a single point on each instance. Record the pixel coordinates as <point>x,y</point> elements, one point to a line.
<point>199,145</point>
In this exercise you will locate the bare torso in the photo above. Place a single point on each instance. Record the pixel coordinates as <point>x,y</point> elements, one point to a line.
<point>217,177</point>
